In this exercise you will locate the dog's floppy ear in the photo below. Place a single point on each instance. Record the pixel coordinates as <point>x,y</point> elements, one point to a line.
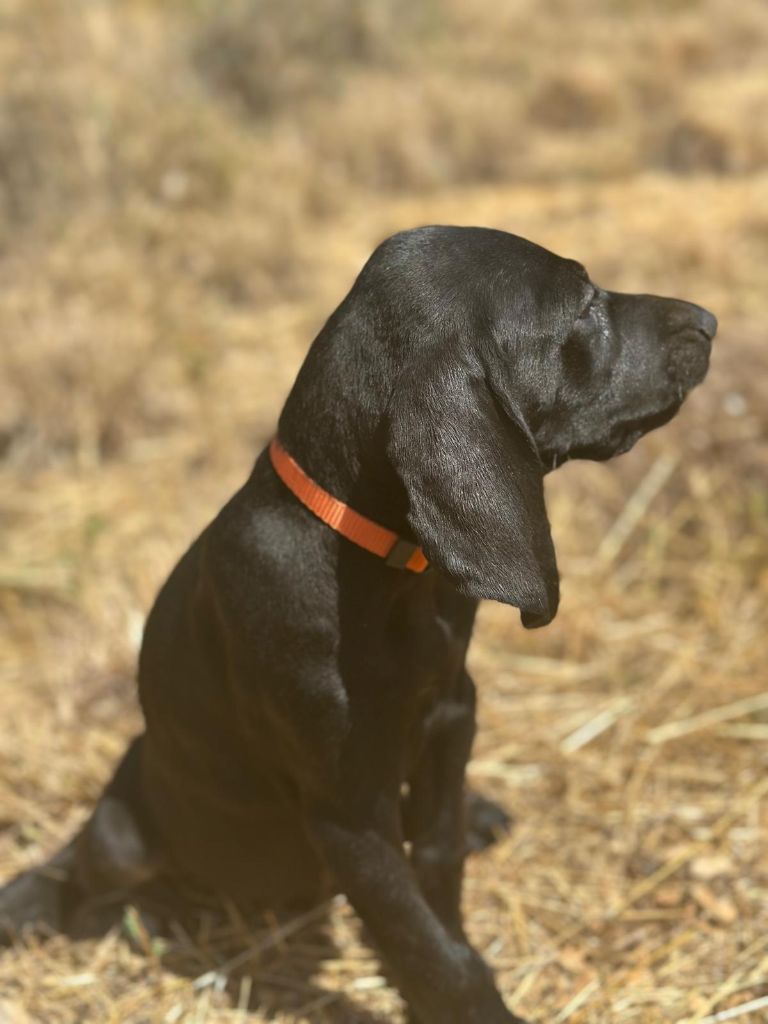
<point>475,489</point>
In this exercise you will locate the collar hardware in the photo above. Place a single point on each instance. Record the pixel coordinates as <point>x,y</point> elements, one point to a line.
<point>398,552</point>
<point>401,553</point>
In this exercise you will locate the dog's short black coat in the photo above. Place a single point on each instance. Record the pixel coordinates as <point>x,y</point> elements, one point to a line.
<point>307,706</point>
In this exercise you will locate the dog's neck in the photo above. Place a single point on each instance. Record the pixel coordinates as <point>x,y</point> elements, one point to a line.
<point>337,433</point>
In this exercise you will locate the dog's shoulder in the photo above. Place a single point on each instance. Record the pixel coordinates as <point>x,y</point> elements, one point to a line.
<point>270,572</point>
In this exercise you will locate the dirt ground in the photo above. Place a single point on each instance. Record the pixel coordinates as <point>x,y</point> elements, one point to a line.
<point>186,191</point>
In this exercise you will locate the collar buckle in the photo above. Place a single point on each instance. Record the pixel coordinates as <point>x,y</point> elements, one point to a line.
<point>401,552</point>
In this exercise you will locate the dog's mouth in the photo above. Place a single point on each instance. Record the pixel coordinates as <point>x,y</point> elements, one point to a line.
<point>619,440</point>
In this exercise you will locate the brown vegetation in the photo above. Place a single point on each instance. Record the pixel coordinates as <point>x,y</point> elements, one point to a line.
<point>186,189</point>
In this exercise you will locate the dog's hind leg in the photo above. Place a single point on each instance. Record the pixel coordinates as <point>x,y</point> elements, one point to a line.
<point>113,853</point>
<point>116,849</point>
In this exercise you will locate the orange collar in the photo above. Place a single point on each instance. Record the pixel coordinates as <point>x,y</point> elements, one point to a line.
<point>399,553</point>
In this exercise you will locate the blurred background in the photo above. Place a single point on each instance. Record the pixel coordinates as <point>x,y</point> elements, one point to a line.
<point>187,189</point>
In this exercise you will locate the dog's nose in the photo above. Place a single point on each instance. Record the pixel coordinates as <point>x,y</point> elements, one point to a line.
<point>686,316</point>
<point>707,322</point>
<point>692,329</point>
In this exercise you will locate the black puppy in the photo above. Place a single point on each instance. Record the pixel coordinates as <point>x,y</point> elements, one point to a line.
<point>307,706</point>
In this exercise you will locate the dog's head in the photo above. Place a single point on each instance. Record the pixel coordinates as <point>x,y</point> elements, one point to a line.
<point>511,361</point>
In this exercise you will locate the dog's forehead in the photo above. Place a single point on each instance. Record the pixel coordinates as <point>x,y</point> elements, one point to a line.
<point>544,262</point>
<point>577,269</point>
<point>537,276</point>
<point>448,271</point>
<point>489,255</point>
<point>441,248</point>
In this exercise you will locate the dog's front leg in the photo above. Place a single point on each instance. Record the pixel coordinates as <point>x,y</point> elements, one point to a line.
<point>443,980</point>
<point>435,808</point>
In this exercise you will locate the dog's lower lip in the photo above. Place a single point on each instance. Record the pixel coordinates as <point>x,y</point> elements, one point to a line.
<point>629,442</point>
<point>631,432</point>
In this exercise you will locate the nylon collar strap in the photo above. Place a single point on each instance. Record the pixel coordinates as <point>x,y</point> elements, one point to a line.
<point>398,552</point>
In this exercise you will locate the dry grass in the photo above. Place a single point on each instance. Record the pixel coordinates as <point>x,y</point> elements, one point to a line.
<point>184,195</point>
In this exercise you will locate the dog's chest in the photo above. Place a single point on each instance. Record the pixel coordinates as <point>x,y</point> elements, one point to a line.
<point>426,637</point>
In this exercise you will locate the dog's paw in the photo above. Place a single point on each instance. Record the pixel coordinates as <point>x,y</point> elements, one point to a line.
<point>486,822</point>
<point>508,1018</point>
<point>31,901</point>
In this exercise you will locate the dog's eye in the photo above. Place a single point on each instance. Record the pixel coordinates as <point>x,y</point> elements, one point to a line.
<point>587,305</point>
